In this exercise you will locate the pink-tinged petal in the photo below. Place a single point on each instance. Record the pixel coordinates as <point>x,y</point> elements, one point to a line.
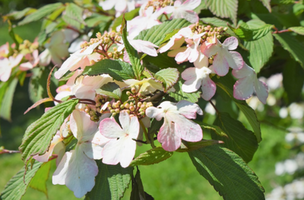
<point>243,88</point>
<point>80,177</point>
<point>156,113</point>
<point>121,6</point>
<point>188,130</point>
<point>231,43</point>
<point>121,150</point>
<point>166,136</point>
<point>174,52</point>
<point>84,92</point>
<point>201,61</point>
<point>243,72</point>
<point>188,15</point>
<point>133,127</point>
<point>191,4</point>
<point>211,49</point>
<point>59,176</point>
<point>45,157</point>
<point>93,151</point>
<point>208,88</point>
<point>67,65</point>
<point>107,5</point>
<point>124,120</point>
<point>192,83</point>
<point>26,66</point>
<point>145,47</point>
<point>183,56</point>
<point>82,127</point>
<point>220,65</point>
<point>172,41</point>
<point>234,59</point>
<point>261,90</point>
<point>110,128</point>
<point>188,109</point>
<point>194,53</point>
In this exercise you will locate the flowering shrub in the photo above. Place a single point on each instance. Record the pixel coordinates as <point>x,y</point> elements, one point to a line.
<point>141,73</point>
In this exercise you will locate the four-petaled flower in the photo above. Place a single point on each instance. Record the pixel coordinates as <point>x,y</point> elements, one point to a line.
<point>177,125</point>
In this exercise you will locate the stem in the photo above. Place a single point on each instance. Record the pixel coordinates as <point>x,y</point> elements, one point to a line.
<point>214,107</point>
<point>6,151</point>
<point>281,31</point>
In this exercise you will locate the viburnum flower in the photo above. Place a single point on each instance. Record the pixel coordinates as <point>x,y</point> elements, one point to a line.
<point>184,10</point>
<point>4,50</point>
<point>81,58</point>
<point>121,148</point>
<point>248,83</point>
<point>224,57</point>
<point>33,60</point>
<point>177,125</point>
<point>6,66</point>
<point>120,6</point>
<point>77,169</point>
<point>198,76</point>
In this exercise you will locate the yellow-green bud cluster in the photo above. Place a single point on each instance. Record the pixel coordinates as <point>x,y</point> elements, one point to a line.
<point>217,32</point>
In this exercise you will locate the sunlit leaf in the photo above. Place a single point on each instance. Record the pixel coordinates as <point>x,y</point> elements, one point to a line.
<point>223,8</point>
<point>266,3</point>
<point>7,101</point>
<point>38,182</point>
<point>168,76</point>
<point>298,30</point>
<point>151,156</point>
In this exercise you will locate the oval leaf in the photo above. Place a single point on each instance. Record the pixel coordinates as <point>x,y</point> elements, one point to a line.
<point>151,157</point>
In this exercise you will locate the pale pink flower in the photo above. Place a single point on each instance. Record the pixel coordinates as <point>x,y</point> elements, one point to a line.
<point>198,76</point>
<point>224,57</point>
<point>248,83</point>
<point>177,125</point>
<point>121,148</point>
<point>33,60</point>
<point>184,10</point>
<point>6,66</point>
<point>144,46</point>
<point>4,50</point>
<point>120,6</point>
<point>81,58</point>
<point>77,169</point>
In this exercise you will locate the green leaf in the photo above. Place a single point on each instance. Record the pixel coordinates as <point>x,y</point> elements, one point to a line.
<point>261,48</point>
<point>179,95</point>
<point>168,76</point>
<point>117,69</point>
<point>111,90</point>
<point>217,22</point>
<point>157,34</point>
<point>298,30</point>
<point>133,56</point>
<point>159,62</point>
<point>240,140</point>
<point>127,16</point>
<point>223,8</point>
<point>40,13</point>
<point>214,128</point>
<point>19,14</point>
<point>250,34</point>
<point>39,134</point>
<point>292,45</point>
<point>96,19</point>
<point>190,146</point>
<point>138,192</point>
<point>73,15</point>
<point>293,80</point>
<point>266,3</point>
<point>7,101</point>
<point>38,182</point>
<point>16,187</point>
<point>111,182</point>
<point>249,113</point>
<point>151,157</point>
<point>227,173</point>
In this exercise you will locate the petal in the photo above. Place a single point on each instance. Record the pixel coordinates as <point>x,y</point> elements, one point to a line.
<point>110,129</point>
<point>201,61</point>
<point>188,109</point>
<point>170,141</point>
<point>187,129</point>
<point>234,59</point>
<point>156,113</point>
<point>220,65</point>
<point>261,90</point>
<point>192,82</point>
<point>208,88</point>
<point>231,43</point>
<point>243,88</point>
<point>134,127</point>
<point>59,176</point>
<point>144,46</point>
<point>243,72</point>
<point>124,120</point>
<point>211,49</point>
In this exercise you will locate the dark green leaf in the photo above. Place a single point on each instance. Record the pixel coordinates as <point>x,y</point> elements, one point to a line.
<point>158,33</point>
<point>227,173</point>
<point>38,135</point>
<point>40,13</point>
<point>190,146</point>
<point>240,140</point>
<point>151,157</point>
<point>7,101</point>
<point>293,80</point>
<point>16,187</point>
<point>138,192</point>
<point>266,3</point>
<point>292,45</point>
<point>223,8</point>
<point>111,90</point>
<point>117,69</point>
<point>111,182</point>
<point>250,34</point>
<point>38,182</point>
<point>168,76</point>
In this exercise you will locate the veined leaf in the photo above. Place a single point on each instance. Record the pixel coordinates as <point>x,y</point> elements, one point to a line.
<point>38,135</point>
<point>73,15</point>
<point>240,140</point>
<point>250,34</point>
<point>298,30</point>
<point>190,146</point>
<point>38,182</point>
<point>292,45</point>
<point>227,173</point>
<point>40,13</point>
<point>168,76</point>
<point>110,89</point>
<point>223,8</point>
<point>249,113</point>
<point>261,48</point>
<point>158,33</point>
<point>266,3</point>
<point>151,157</point>
<point>179,95</point>
<point>117,69</point>
<point>111,182</point>
<point>7,101</point>
<point>16,187</point>
<point>19,14</point>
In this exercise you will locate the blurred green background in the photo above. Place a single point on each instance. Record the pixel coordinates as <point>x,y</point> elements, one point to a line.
<point>173,179</point>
